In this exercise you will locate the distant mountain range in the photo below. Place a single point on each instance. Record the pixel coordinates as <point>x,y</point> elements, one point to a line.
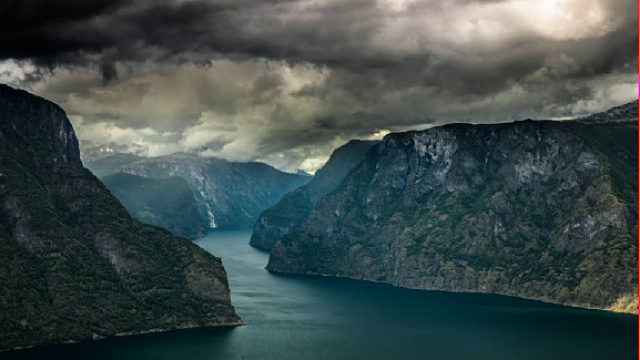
<point>73,264</point>
<point>228,197</point>
<point>92,152</point>
<point>226,194</point>
<point>622,113</point>
<point>537,209</point>
<point>109,163</point>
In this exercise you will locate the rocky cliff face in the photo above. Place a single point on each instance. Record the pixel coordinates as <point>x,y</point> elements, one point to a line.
<point>540,210</point>
<point>25,121</point>
<point>168,203</point>
<point>294,208</point>
<point>73,264</point>
<point>228,195</point>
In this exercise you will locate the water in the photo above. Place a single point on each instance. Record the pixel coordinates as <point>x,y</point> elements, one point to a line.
<point>292,317</point>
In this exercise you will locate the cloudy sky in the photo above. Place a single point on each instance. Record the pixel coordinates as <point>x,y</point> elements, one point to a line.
<point>286,81</point>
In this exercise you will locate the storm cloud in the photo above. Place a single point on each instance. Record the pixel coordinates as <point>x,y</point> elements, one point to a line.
<point>286,81</point>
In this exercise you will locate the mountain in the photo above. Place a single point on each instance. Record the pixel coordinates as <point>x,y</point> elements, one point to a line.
<point>167,203</point>
<point>109,164</point>
<point>302,172</point>
<point>73,264</point>
<point>294,208</point>
<point>91,151</point>
<point>622,113</point>
<point>227,194</point>
<point>536,209</point>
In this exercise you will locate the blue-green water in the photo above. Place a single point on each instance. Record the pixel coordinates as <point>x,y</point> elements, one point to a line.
<point>323,318</point>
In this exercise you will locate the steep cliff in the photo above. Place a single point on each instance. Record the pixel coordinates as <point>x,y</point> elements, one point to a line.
<point>73,264</point>
<point>294,208</point>
<point>168,203</point>
<point>541,210</point>
<point>228,194</point>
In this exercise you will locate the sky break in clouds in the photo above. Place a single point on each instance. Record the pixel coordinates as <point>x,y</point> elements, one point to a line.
<point>286,81</point>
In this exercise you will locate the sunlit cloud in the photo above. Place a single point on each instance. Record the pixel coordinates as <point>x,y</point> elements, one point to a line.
<point>286,82</point>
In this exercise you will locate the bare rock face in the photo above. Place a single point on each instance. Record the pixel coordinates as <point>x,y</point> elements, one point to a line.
<point>293,210</point>
<point>73,264</point>
<point>536,209</point>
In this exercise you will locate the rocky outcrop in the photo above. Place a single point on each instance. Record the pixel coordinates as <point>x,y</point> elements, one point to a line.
<point>168,203</point>
<point>535,209</point>
<point>294,208</point>
<point>227,194</point>
<point>73,264</point>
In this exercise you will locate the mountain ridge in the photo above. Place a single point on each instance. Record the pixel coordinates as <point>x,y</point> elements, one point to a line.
<point>74,265</point>
<point>294,208</point>
<point>227,194</point>
<point>429,210</point>
<point>621,113</point>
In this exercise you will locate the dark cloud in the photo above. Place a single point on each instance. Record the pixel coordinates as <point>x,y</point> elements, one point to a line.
<point>326,122</point>
<point>40,29</point>
<point>30,14</point>
<point>109,72</point>
<point>256,78</point>
<point>337,34</point>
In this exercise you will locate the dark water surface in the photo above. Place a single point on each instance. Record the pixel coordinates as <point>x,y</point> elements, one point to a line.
<point>321,318</point>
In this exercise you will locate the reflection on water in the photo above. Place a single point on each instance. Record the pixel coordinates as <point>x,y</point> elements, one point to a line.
<point>293,317</point>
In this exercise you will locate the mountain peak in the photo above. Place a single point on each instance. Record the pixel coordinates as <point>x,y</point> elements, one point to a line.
<point>75,266</point>
<point>31,120</point>
<point>622,113</point>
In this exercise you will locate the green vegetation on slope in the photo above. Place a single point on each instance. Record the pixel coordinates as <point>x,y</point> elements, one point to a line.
<point>294,208</point>
<point>167,203</point>
<point>540,210</point>
<point>73,264</point>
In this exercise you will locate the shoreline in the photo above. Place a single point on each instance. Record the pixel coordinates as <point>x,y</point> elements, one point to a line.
<point>130,333</point>
<point>612,309</point>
